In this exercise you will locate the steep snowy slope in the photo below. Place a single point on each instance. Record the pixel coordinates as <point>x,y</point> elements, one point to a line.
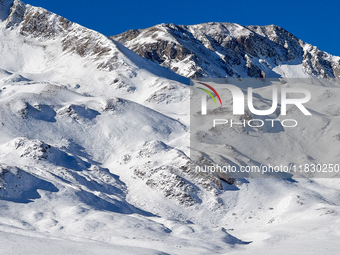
<point>71,101</point>
<point>230,50</point>
<point>94,156</point>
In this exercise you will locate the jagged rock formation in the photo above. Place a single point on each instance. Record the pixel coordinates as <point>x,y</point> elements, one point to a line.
<point>229,50</point>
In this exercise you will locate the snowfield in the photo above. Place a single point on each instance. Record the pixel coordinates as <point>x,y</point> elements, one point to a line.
<point>95,155</point>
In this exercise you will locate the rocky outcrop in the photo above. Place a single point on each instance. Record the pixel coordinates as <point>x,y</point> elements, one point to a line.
<point>16,13</point>
<point>227,50</point>
<point>175,176</point>
<point>34,22</point>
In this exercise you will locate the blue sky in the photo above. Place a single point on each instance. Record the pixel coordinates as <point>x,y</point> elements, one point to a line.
<point>315,22</point>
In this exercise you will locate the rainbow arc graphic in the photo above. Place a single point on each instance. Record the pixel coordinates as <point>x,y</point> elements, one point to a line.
<point>209,93</point>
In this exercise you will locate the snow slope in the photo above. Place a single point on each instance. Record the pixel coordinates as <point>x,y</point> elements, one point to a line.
<point>94,156</point>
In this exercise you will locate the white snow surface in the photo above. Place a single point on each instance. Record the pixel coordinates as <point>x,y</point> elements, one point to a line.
<point>93,157</point>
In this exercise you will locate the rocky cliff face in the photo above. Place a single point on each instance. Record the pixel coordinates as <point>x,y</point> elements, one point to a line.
<point>229,50</point>
<point>33,22</point>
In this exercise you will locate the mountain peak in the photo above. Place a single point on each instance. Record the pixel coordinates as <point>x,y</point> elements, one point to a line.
<point>16,13</point>
<point>98,144</point>
<point>220,49</point>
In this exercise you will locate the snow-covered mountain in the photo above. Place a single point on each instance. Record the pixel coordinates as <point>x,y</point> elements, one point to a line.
<point>94,154</point>
<point>230,50</point>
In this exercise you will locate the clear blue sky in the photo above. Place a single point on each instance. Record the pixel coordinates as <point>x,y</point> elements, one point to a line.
<point>315,22</point>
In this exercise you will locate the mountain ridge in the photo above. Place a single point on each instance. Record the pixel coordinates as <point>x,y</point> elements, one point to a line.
<point>229,50</point>
<point>95,153</point>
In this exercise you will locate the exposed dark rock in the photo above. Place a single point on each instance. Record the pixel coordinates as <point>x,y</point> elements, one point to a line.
<point>218,49</point>
<point>16,13</point>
